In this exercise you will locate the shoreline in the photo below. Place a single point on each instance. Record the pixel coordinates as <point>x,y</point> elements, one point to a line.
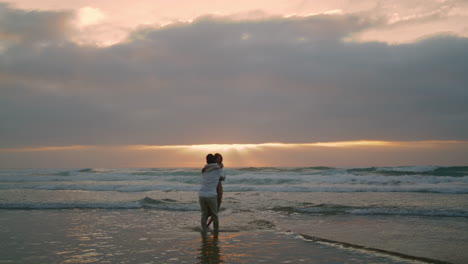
<point>252,230</point>
<point>370,249</point>
<point>435,240</point>
<point>432,239</point>
<point>152,236</point>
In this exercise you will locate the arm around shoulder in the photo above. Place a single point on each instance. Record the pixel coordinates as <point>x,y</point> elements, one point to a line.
<point>222,175</point>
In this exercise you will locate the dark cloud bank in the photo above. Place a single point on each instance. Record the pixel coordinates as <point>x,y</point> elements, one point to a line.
<point>226,81</point>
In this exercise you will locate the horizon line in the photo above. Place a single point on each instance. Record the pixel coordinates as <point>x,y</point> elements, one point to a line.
<point>239,146</point>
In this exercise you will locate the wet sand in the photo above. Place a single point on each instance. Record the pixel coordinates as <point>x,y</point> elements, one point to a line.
<point>152,236</point>
<point>415,237</point>
<point>438,238</point>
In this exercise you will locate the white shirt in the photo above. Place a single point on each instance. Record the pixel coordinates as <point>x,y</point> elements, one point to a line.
<point>210,180</point>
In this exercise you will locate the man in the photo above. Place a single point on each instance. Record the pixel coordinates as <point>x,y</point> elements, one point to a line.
<point>207,196</point>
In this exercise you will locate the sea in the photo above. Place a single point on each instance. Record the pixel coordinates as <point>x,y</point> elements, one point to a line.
<point>410,214</point>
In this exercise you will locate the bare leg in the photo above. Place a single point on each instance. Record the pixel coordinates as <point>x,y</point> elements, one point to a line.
<point>205,210</point>
<point>220,191</point>
<point>213,207</point>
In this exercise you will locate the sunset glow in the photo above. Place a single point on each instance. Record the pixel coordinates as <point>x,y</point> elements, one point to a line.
<point>147,108</point>
<point>266,83</point>
<point>344,153</point>
<point>247,147</point>
<point>401,21</point>
<point>40,149</point>
<point>89,16</point>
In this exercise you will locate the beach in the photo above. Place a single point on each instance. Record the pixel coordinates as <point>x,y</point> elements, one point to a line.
<point>339,131</point>
<point>149,236</point>
<point>50,216</point>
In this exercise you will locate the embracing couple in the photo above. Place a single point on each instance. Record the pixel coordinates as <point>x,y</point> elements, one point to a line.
<point>211,191</point>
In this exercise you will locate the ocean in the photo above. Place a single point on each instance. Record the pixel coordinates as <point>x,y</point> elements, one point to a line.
<point>344,215</point>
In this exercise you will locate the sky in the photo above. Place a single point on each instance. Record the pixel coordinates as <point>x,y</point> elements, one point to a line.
<point>265,83</point>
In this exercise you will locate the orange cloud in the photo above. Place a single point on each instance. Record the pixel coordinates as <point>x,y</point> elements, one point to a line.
<point>402,20</point>
<point>46,148</point>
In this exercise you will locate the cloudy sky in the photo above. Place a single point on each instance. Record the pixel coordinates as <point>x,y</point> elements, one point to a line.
<point>266,83</point>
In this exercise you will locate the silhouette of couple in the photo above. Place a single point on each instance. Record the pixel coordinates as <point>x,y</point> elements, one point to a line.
<point>211,191</point>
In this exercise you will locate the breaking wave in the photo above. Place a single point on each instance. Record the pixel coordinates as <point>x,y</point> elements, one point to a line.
<point>331,209</point>
<point>147,202</point>
<point>431,179</point>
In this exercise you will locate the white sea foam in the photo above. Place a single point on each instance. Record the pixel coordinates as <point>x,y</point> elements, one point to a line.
<point>174,205</point>
<point>422,188</point>
<point>374,210</point>
<point>315,179</point>
<point>76,205</point>
<point>408,168</point>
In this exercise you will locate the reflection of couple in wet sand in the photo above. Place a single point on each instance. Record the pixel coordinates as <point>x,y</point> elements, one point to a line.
<point>210,251</point>
<point>211,191</point>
